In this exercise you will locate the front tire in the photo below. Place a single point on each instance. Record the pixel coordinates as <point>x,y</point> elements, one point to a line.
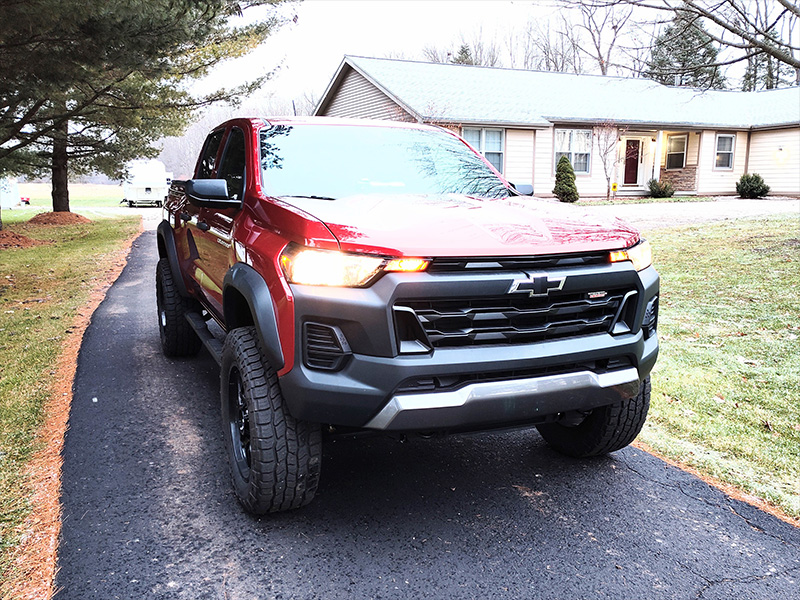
<point>274,458</point>
<point>177,336</point>
<point>605,429</point>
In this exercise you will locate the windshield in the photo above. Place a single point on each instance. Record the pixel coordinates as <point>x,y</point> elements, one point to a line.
<point>335,161</point>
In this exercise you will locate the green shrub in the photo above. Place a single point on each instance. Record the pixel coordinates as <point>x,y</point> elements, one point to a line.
<point>752,186</point>
<point>565,189</point>
<point>660,189</point>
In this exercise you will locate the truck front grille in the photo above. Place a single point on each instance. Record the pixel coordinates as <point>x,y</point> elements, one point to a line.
<point>516,319</point>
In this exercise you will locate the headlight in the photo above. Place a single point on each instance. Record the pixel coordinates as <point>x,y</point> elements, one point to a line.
<point>308,266</point>
<point>324,267</point>
<point>641,255</point>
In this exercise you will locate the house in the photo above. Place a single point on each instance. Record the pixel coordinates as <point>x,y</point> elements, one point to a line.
<point>614,130</point>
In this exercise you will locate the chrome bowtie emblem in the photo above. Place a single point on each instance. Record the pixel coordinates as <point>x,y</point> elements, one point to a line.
<point>537,284</point>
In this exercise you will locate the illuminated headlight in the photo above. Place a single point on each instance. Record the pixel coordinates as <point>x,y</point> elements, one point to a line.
<point>641,255</point>
<point>308,266</point>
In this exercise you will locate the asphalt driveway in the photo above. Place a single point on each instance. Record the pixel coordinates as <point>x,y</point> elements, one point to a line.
<point>148,511</point>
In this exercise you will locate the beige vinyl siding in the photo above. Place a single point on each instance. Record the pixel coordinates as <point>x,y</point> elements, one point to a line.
<point>710,179</point>
<point>519,155</point>
<point>357,97</point>
<point>779,168</point>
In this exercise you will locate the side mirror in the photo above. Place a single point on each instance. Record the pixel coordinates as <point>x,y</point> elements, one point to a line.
<point>210,193</point>
<point>523,189</point>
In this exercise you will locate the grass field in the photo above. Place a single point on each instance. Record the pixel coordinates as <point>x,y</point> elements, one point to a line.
<point>80,194</point>
<point>726,388</point>
<point>41,290</point>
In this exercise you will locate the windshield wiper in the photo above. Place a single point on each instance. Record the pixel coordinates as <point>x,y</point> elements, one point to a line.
<point>312,197</point>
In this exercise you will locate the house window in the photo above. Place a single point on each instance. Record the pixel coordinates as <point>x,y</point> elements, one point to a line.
<point>488,142</point>
<point>724,151</point>
<point>576,145</point>
<point>676,151</point>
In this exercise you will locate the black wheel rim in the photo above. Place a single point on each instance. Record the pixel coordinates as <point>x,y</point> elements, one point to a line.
<point>162,311</point>
<point>239,423</point>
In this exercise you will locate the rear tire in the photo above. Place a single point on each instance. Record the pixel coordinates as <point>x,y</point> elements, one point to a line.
<point>177,336</point>
<point>274,458</point>
<point>605,429</point>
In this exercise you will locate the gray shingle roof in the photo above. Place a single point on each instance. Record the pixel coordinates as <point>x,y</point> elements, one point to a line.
<point>469,94</point>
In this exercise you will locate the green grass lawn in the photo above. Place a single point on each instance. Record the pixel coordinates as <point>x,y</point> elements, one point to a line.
<point>80,194</point>
<point>41,290</point>
<point>726,388</point>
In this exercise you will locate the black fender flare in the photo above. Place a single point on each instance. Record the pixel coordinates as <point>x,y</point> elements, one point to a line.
<point>251,286</point>
<point>167,249</point>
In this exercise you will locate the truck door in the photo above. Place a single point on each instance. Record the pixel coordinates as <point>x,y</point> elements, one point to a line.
<point>212,228</point>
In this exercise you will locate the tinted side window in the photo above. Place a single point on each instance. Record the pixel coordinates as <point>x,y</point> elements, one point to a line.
<point>232,167</point>
<point>209,157</point>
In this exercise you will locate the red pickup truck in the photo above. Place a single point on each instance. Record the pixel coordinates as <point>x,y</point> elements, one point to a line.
<point>368,276</point>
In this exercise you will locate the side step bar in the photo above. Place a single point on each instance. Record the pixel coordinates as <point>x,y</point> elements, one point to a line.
<point>212,344</point>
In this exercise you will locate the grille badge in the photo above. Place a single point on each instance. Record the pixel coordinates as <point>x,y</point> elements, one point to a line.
<point>537,284</point>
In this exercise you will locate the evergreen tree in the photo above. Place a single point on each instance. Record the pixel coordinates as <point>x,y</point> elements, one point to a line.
<point>90,85</point>
<point>463,56</point>
<point>765,72</point>
<point>565,188</point>
<point>684,55</point>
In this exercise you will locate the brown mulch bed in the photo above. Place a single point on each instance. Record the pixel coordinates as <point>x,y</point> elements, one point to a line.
<point>9,240</point>
<point>58,218</point>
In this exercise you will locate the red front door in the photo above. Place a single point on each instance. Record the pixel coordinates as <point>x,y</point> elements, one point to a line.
<point>632,148</point>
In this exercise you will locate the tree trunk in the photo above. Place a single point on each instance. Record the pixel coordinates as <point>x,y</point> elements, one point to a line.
<point>60,173</point>
<point>1,220</point>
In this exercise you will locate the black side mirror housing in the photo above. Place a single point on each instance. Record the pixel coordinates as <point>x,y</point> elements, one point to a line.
<point>210,193</point>
<point>523,189</point>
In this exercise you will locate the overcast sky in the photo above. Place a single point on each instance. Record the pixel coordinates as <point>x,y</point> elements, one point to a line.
<point>308,51</point>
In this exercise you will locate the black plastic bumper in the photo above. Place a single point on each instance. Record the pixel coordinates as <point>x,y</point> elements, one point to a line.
<point>493,384</point>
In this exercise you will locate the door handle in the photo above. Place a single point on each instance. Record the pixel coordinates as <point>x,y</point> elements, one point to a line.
<point>202,226</point>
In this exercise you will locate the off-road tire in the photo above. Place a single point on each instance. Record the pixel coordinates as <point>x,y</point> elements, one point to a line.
<point>605,429</point>
<point>177,336</point>
<point>274,458</point>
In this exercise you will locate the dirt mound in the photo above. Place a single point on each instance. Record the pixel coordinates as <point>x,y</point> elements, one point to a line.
<point>9,239</point>
<point>58,218</point>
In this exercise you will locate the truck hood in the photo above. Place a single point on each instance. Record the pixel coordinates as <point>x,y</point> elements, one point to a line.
<point>456,225</point>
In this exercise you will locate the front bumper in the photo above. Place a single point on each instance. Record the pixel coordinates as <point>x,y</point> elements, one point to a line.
<point>456,388</point>
<point>510,401</point>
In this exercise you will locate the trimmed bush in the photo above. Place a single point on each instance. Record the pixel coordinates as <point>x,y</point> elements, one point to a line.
<point>752,186</point>
<point>565,189</point>
<point>660,189</point>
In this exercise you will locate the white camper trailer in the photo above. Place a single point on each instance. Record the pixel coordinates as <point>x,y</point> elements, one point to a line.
<point>147,183</point>
<point>9,193</point>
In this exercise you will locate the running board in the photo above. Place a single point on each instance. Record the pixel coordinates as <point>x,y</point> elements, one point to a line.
<point>212,344</point>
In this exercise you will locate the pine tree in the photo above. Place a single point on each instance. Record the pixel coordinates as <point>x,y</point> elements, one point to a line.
<point>565,189</point>
<point>103,80</point>
<point>463,56</point>
<point>684,55</point>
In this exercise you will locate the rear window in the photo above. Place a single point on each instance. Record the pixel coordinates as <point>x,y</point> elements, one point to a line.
<point>336,161</point>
